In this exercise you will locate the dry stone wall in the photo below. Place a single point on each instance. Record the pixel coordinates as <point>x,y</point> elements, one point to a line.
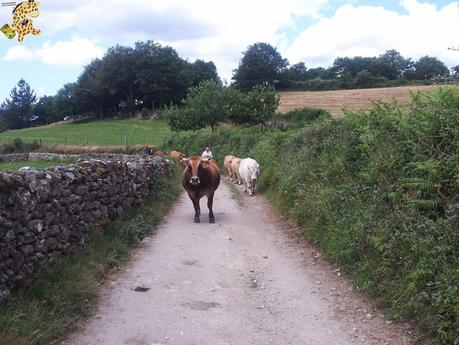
<point>45,214</point>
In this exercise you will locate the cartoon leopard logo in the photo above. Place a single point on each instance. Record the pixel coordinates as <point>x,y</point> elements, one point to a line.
<point>22,20</point>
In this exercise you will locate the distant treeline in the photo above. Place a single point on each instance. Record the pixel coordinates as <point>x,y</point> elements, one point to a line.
<point>263,64</point>
<point>387,70</point>
<point>148,76</point>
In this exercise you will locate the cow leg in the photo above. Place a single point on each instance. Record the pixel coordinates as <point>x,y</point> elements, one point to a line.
<point>245,185</point>
<point>197,211</point>
<point>210,201</point>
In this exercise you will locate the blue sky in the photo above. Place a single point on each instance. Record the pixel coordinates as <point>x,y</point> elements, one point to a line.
<point>313,31</point>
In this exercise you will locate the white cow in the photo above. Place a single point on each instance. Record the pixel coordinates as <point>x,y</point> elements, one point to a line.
<point>249,170</point>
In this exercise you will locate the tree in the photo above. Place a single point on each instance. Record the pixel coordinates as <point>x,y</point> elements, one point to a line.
<point>393,64</point>
<point>17,111</point>
<point>430,67</point>
<point>319,72</point>
<point>202,107</point>
<point>455,71</point>
<point>210,103</point>
<point>261,65</point>
<point>297,72</point>
<point>262,102</point>
<point>65,103</point>
<point>91,94</point>
<point>44,111</point>
<point>204,71</point>
<point>118,74</point>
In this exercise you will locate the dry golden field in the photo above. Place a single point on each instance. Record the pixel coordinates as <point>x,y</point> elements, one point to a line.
<point>336,101</point>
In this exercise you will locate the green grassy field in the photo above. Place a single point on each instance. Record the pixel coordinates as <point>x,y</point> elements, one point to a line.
<point>103,132</point>
<point>34,164</point>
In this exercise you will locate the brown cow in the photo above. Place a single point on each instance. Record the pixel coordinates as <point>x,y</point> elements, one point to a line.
<point>235,163</point>
<point>176,155</point>
<point>160,153</point>
<point>201,177</point>
<point>227,165</point>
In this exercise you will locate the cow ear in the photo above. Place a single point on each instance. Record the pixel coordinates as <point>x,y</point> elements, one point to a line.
<point>185,160</point>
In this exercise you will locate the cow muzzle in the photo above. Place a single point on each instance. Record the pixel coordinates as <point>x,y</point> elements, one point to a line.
<point>195,180</point>
<point>254,179</point>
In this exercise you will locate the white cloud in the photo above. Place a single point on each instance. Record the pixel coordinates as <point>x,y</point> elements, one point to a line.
<point>370,31</point>
<point>220,30</point>
<point>77,51</point>
<point>217,30</point>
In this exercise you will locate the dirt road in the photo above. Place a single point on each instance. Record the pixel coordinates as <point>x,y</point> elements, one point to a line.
<point>245,280</point>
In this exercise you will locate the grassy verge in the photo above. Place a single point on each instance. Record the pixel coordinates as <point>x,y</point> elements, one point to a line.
<point>66,293</point>
<point>235,195</point>
<point>35,164</point>
<point>378,191</point>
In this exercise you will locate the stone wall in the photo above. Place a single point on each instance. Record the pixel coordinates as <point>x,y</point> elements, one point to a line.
<point>45,214</point>
<point>14,157</point>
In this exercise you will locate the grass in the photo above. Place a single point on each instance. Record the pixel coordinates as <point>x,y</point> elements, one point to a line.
<point>66,293</point>
<point>34,164</point>
<point>235,194</point>
<point>103,132</point>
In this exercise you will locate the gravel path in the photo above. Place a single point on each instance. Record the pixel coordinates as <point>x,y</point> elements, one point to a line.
<point>246,280</point>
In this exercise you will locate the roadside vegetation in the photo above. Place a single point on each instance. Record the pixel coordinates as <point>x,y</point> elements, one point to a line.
<point>377,190</point>
<point>65,293</point>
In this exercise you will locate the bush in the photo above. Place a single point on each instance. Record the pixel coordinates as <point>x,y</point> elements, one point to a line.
<point>18,146</point>
<point>302,116</point>
<point>378,191</point>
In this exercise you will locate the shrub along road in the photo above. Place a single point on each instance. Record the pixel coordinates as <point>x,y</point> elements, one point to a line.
<point>246,280</point>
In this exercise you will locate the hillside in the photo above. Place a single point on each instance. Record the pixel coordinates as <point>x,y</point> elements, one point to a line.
<point>335,101</point>
<point>104,132</point>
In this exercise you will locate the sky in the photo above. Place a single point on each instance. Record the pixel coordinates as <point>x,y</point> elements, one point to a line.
<point>311,31</point>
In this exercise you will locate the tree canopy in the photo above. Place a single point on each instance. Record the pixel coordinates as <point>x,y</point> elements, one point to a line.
<point>17,110</point>
<point>210,103</point>
<point>261,64</point>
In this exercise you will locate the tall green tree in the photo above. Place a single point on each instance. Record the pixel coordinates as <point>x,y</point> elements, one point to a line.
<point>210,103</point>
<point>44,111</point>
<point>204,71</point>
<point>65,103</point>
<point>17,110</point>
<point>428,67</point>
<point>261,64</point>
<point>118,74</point>
<point>393,64</point>
<point>162,76</point>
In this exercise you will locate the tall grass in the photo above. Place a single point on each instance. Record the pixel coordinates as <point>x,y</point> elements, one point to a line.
<point>378,191</point>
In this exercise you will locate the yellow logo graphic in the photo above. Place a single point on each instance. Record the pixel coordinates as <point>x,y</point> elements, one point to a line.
<point>23,15</point>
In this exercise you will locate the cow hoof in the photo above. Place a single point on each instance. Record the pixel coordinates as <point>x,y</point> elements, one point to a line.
<point>196,220</point>
<point>212,221</point>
